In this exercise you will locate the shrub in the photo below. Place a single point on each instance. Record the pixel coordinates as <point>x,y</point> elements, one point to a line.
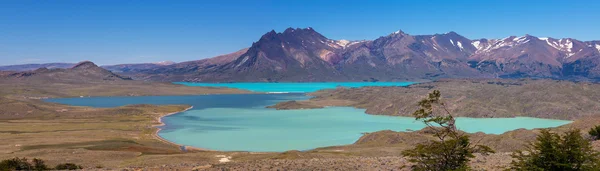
<point>595,133</point>
<point>452,150</point>
<point>67,166</point>
<point>15,164</point>
<point>39,164</point>
<point>552,152</point>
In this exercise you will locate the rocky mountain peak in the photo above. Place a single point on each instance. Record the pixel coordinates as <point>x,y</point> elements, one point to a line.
<point>398,32</point>
<point>295,30</point>
<point>84,65</point>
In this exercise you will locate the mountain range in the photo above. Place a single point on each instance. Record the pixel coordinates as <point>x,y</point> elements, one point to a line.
<point>83,72</point>
<point>303,54</point>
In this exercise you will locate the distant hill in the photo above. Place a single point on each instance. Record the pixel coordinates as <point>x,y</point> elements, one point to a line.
<point>185,70</point>
<point>136,67</point>
<point>29,67</point>
<point>114,68</point>
<point>83,72</point>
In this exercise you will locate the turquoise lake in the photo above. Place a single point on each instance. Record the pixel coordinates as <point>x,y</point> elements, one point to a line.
<point>240,122</point>
<point>294,87</point>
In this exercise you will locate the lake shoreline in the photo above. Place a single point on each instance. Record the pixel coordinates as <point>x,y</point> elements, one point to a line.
<point>158,129</point>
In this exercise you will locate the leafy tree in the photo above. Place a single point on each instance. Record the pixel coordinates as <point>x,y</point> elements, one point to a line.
<point>552,152</point>
<point>595,132</point>
<point>452,150</point>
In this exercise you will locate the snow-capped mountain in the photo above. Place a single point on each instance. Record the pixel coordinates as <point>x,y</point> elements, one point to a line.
<point>305,55</point>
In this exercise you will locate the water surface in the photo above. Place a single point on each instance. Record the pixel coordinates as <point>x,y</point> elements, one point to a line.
<point>240,122</point>
<point>294,87</point>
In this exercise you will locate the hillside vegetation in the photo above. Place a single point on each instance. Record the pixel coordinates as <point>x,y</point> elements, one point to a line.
<point>471,98</point>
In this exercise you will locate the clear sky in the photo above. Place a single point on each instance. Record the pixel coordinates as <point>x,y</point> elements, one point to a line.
<point>115,31</point>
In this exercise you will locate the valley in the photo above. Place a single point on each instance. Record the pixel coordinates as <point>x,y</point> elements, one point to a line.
<point>248,85</point>
<point>124,137</point>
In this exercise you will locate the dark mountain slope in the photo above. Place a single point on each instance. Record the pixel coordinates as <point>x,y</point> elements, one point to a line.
<point>135,67</point>
<point>294,55</point>
<point>185,70</point>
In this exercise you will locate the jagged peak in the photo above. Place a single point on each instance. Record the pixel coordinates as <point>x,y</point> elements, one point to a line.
<point>84,64</point>
<point>398,32</point>
<point>290,29</point>
<point>269,35</point>
<point>452,33</point>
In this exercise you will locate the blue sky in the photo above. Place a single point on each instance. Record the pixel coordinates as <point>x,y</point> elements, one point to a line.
<point>112,32</point>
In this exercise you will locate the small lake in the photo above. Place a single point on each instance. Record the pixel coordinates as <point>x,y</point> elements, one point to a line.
<point>240,122</point>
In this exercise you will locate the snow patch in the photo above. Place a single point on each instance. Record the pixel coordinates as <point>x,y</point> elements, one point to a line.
<point>452,42</point>
<point>598,47</point>
<point>569,46</point>
<point>521,40</point>
<point>164,63</point>
<point>477,44</point>
<point>342,42</point>
<point>517,38</point>
<point>460,45</point>
<point>243,61</point>
<point>562,44</point>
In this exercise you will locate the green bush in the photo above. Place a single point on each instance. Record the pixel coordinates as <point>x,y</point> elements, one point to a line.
<point>15,164</point>
<point>67,166</point>
<point>38,164</point>
<point>595,133</point>
<point>552,152</point>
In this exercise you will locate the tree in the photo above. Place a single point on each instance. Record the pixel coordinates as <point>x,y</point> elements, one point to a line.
<point>452,150</point>
<point>595,133</point>
<point>550,151</point>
